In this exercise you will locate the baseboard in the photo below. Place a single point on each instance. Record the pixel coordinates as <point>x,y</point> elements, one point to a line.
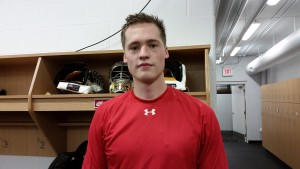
<point>232,135</point>
<point>255,141</point>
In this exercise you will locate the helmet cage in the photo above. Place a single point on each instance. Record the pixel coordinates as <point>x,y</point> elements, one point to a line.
<point>120,78</point>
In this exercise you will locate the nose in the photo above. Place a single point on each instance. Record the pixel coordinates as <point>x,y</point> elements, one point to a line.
<point>144,52</point>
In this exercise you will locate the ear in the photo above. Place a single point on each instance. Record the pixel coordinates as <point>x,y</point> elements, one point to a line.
<point>124,58</point>
<point>166,53</point>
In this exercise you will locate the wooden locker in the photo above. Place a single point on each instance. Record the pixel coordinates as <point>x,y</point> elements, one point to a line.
<point>297,137</point>
<point>297,90</point>
<point>292,90</point>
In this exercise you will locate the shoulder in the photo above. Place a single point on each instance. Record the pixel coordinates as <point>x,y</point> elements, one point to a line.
<point>111,104</point>
<point>183,96</point>
<point>190,102</point>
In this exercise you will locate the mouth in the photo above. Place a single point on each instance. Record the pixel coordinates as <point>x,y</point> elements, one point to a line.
<point>145,65</point>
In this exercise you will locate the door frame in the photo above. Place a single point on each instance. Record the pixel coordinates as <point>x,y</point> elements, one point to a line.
<point>244,83</point>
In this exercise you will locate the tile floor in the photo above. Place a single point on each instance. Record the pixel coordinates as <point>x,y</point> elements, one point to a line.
<point>252,155</point>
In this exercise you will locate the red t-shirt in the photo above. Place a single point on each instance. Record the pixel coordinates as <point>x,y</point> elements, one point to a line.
<point>173,131</point>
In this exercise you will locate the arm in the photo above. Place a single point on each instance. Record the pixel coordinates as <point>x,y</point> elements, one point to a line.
<point>212,152</point>
<point>95,157</point>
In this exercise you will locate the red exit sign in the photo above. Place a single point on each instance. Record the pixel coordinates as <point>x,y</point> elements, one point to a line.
<point>227,72</point>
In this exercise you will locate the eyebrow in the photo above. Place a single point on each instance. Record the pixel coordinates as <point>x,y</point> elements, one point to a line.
<point>138,42</point>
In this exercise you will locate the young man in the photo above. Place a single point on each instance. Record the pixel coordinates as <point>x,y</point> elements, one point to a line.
<point>152,126</point>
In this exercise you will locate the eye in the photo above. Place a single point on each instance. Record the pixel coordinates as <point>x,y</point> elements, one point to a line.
<point>153,45</point>
<point>133,48</point>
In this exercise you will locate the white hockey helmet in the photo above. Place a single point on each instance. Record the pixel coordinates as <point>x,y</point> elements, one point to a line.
<point>120,78</point>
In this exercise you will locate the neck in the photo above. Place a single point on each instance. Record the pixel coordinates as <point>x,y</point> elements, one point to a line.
<point>149,91</point>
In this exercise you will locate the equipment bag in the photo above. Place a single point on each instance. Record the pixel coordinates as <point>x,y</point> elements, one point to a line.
<point>70,160</point>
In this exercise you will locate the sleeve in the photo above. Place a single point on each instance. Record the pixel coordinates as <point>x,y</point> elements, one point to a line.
<point>95,157</point>
<point>212,151</point>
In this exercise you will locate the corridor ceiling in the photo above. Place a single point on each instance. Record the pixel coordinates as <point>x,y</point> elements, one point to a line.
<point>233,17</point>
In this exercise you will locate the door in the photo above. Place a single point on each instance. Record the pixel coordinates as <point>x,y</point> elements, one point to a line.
<point>239,111</point>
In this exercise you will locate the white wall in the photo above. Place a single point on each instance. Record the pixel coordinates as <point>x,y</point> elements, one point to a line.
<point>289,69</point>
<point>24,162</point>
<point>252,92</point>
<point>35,26</point>
<point>39,26</point>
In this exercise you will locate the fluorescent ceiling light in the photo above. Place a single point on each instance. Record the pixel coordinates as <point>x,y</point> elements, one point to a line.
<point>250,31</point>
<point>272,2</point>
<point>235,50</point>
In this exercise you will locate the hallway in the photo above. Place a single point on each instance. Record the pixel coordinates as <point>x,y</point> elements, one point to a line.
<point>241,155</point>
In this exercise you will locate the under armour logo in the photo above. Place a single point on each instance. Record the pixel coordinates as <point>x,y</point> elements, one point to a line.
<point>147,112</point>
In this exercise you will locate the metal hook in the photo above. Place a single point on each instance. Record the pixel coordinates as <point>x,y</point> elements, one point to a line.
<point>4,142</point>
<point>42,143</point>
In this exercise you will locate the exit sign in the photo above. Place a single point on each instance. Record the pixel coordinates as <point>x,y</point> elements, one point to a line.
<point>227,72</point>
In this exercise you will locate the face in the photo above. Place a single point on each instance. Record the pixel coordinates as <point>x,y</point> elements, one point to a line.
<point>145,52</point>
